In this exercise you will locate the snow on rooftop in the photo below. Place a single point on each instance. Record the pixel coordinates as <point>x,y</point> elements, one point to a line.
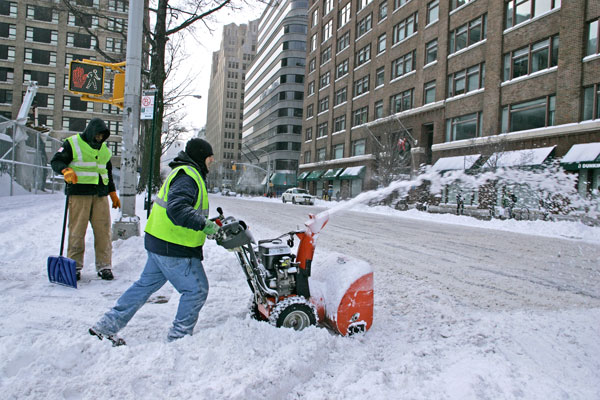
<point>458,162</point>
<point>582,152</point>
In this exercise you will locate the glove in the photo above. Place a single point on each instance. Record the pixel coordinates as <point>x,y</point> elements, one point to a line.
<point>210,228</point>
<point>69,175</point>
<point>116,203</point>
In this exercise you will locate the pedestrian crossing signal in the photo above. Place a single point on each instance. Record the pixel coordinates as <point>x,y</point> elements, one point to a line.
<point>86,78</point>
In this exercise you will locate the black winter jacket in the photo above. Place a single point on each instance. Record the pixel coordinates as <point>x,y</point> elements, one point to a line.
<point>64,156</point>
<point>183,194</point>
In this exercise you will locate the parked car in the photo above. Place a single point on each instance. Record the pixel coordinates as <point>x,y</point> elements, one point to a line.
<point>298,195</point>
<point>228,192</point>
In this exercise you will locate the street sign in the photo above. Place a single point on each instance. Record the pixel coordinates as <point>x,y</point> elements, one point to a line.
<point>86,78</point>
<point>147,107</point>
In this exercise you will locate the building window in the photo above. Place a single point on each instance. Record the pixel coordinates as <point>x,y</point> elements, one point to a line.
<point>81,40</point>
<point>8,8</point>
<point>381,44</point>
<point>378,109</point>
<point>83,20</point>
<point>294,45</point>
<point>315,17</point>
<point>312,65</point>
<point>433,11</point>
<point>7,75</point>
<point>429,92</point>
<point>468,34</point>
<point>307,157</point>
<point>431,51</point>
<point>358,147</point>
<point>6,96</point>
<point>338,151</point>
<point>41,35</point>
<point>344,15</point>
<point>341,69</point>
<point>313,42</point>
<point>43,57</point>
<point>326,55</point>
<point>327,31</point>
<point>360,116</point>
<point>593,33</point>
<point>324,104</point>
<point>118,5</point>
<point>321,154</point>
<point>364,25</point>
<point>399,3</point>
<point>341,96</point>
<point>40,13</point>
<point>535,57</point>
<point>591,102</point>
<point>464,127</point>
<point>383,10</point>
<point>308,134</point>
<point>518,11</point>
<point>309,111</point>
<point>342,42</point>
<point>362,4</point>
<point>42,78</point>
<point>403,65</point>
<point>379,77</point>
<point>361,86</point>
<point>401,101</point>
<point>74,124</point>
<point>322,130</point>
<point>7,53</point>
<point>404,29</point>
<point>454,4</point>
<point>466,80</point>
<point>324,80</point>
<point>532,114</point>
<point>327,6</point>
<point>8,31</point>
<point>363,56</point>
<point>339,124</point>
<point>115,45</point>
<point>311,88</point>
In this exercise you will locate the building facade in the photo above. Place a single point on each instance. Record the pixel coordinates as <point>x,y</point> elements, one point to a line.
<point>275,92</point>
<point>38,39</point>
<point>449,78</point>
<point>226,98</point>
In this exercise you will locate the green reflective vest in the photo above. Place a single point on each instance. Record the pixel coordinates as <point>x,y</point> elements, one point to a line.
<point>159,225</point>
<point>89,163</point>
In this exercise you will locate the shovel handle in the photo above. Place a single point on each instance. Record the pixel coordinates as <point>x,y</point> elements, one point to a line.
<point>62,240</point>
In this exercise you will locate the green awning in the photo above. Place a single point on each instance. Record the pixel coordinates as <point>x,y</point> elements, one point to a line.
<point>303,175</point>
<point>315,175</point>
<point>353,173</point>
<point>281,179</point>
<point>332,173</point>
<point>582,156</point>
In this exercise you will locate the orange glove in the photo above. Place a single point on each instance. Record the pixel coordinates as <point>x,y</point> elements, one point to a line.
<point>116,203</point>
<point>69,175</point>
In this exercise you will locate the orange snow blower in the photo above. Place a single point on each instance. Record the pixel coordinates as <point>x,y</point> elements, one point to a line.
<point>294,291</point>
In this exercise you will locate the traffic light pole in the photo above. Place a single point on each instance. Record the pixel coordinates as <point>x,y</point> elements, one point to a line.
<point>128,224</point>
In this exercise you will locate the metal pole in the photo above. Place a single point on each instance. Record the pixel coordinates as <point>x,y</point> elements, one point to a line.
<point>129,224</point>
<point>151,170</point>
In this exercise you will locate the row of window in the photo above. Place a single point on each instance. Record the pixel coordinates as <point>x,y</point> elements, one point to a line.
<point>337,151</point>
<point>51,14</point>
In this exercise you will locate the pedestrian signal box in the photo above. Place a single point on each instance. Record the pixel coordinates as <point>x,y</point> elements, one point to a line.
<point>86,78</point>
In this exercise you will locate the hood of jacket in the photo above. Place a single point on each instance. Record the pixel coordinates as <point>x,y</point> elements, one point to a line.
<point>184,159</point>
<point>95,126</point>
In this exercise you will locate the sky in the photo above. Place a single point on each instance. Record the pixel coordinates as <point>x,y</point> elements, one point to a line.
<point>197,64</point>
<point>427,342</point>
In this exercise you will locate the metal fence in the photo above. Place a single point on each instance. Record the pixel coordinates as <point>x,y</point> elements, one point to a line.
<point>25,154</point>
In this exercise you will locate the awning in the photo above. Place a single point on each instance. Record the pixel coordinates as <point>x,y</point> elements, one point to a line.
<point>332,173</point>
<point>582,156</point>
<point>282,179</point>
<point>519,158</point>
<point>303,175</point>
<point>353,173</point>
<point>315,175</point>
<point>454,163</point>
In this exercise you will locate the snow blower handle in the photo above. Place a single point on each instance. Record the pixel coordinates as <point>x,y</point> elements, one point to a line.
<point>219,219</point>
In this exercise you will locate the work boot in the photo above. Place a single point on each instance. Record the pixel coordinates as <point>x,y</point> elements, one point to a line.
<point>78,274</point>
<point>106,274</point>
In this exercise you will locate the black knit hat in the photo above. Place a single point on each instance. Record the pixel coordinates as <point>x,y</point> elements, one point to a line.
<point>198,150</point>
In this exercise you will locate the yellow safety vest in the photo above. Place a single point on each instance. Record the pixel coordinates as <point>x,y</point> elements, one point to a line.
<point>160,225</point>
<point>89,163</point>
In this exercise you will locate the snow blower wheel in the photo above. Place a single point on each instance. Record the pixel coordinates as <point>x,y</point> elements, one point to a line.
<point>294,312</point>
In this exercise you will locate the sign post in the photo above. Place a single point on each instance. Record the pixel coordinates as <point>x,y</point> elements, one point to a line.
<point>148,112</point>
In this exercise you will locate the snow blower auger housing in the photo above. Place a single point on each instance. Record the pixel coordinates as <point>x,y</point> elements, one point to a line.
<point>281,282</point>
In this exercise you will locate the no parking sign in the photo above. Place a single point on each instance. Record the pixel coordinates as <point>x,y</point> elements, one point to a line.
<point>147,110</point>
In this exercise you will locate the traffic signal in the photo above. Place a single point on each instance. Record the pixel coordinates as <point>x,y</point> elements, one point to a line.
<point>86,78</point>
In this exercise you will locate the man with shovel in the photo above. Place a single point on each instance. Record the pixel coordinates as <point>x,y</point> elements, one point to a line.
<point>84,162</point>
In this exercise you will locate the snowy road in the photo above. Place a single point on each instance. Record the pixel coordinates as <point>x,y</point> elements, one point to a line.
<point>461,312</point>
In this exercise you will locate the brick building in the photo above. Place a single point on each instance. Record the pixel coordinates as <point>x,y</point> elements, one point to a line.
<point>449,78</point>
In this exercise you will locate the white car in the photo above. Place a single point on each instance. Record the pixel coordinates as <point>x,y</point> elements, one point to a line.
<point>297,195</point>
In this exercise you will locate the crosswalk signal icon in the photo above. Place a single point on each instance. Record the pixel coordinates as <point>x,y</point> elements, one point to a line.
<point>86,78</point>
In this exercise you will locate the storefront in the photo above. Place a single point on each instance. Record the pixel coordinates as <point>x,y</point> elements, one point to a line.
<point>332,182</point>
<point>584,159</point>
<point>450,193</point>
<point>351,181</point>
<point>313,183</point>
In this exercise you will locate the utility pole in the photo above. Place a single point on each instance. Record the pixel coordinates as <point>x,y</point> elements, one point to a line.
<point>128,224</point>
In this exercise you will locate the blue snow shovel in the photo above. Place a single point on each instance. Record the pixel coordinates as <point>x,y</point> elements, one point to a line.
<point>62,270</point>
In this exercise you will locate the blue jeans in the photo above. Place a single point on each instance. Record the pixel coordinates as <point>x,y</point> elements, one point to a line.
<point>185,274</point>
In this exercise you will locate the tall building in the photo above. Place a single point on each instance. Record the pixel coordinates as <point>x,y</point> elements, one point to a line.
<point>275,91</point>
<point>38,39</point>
<point>226,98</point>
<point>450,78</point>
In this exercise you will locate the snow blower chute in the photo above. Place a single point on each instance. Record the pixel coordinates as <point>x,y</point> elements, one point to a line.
<point>292,290</point>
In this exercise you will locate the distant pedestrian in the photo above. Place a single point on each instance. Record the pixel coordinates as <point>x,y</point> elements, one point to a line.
<point>460,204</point>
